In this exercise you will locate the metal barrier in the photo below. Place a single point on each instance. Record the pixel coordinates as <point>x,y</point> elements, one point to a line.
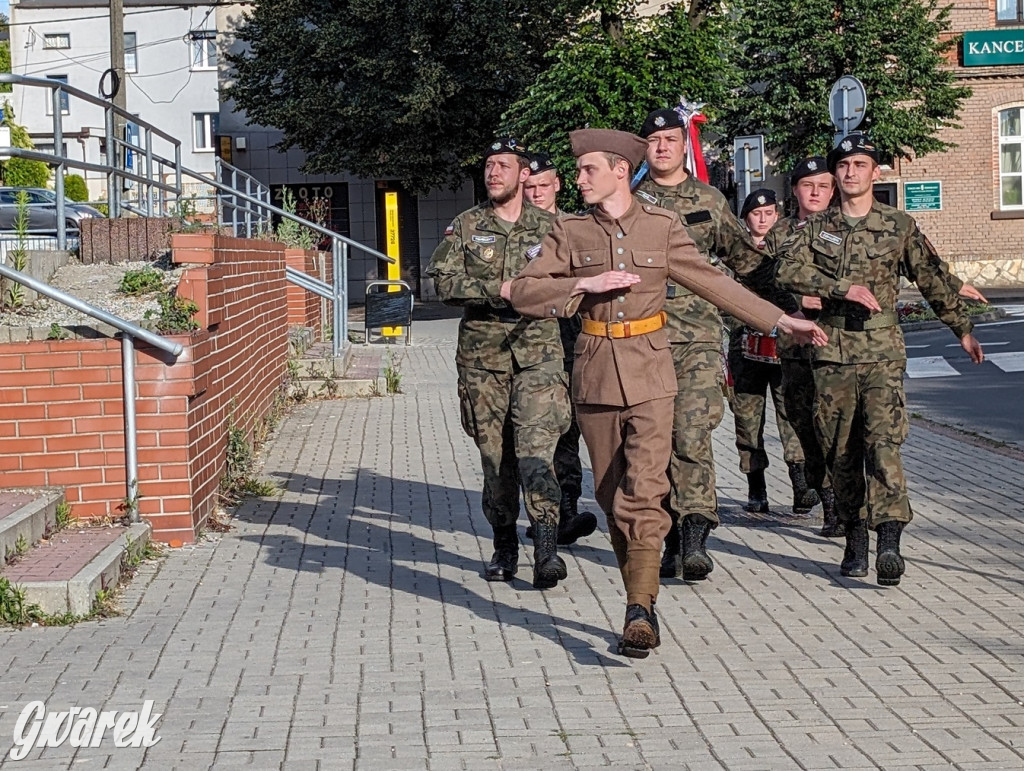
<point>160,160</point>
<point>130,332</point>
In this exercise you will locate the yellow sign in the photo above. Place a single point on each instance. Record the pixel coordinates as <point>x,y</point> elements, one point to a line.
<point>392,251</point>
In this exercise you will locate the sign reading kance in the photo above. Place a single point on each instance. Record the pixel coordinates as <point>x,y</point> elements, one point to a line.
<point>993,47</point>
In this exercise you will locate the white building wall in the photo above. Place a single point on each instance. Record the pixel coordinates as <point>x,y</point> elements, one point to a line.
<point>166,90</point>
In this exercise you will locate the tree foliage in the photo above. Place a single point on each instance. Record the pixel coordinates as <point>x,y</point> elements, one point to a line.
<point>75,188</point>
<point>5,64</point>
<point>409,90</point>
<point>614,69</point>
<point>19,172</point>
<point>794,50</point>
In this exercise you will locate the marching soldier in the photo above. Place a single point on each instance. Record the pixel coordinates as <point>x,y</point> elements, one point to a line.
<point>513,393</point>
<point>756,372</point>
<point>852,256</point>
<point>611,265</point>
<point>541,189</point>
<point>695,331</point>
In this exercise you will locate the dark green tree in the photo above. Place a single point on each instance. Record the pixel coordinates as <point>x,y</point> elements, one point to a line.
<point>617,67</point>
<point>409,90</point>
<point>794,50</point>
<point>19,172</point>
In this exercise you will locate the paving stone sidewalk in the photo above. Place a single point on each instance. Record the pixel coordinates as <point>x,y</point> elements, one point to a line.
<point>345,624</point>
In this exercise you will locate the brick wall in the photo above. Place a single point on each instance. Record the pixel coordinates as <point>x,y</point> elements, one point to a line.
<point>305,308</point>
<point>61,416</point>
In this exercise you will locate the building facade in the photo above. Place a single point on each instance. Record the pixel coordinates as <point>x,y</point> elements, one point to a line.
<point>171,73</point>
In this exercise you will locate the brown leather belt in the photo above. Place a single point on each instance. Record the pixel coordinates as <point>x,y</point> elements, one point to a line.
<point>618,330</point>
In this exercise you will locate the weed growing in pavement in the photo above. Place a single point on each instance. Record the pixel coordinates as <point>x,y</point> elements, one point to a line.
<point>392,375</point>
<point>239,481</point>
<point>57,332</point>
<point>176,314</point>
<point>142,281</point>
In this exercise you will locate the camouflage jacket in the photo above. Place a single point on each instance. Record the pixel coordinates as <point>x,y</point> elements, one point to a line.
<point>785,347</point>
<point>469,266</point>
<point>720,238</point>
<point>827,256</point>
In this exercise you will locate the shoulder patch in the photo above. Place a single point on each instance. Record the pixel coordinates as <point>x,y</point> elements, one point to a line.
<point>831,238</point>
<point>800,225</point>
<point>532,252</point>
<point>646,196</point>
<point>484,239</point>
<point>697,217</point>
<point>450,229</point>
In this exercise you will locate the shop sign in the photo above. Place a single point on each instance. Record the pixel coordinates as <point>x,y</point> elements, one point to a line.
<point>994,46</point>
<point>922,196</point>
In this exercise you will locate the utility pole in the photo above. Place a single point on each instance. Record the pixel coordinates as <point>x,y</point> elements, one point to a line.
<point>120,99</point>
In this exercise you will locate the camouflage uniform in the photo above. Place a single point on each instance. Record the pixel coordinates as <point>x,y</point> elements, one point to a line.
<point>513,391</point>
<point>695,331</point>
<point>860,407</point>
<point>798,378</point>
<point>568,466</point>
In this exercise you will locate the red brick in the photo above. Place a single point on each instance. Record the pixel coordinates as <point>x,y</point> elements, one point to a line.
<point>99,425</point>
<point>95,375</point>
<point>68,360</point>
<point>51,460</point>
<point>74,477</point>
<point>102,391</point>
<point>29,378</point>
<point>44,427</point>
<point>73,442</point>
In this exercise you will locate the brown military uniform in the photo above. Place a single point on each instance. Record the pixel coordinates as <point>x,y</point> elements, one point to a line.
<point>624,388</point>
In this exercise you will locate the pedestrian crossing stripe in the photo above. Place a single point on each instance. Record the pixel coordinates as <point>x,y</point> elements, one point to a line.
<point>1007,362</point>
<point>937,366</point>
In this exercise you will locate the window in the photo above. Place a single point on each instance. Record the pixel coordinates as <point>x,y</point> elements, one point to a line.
<point>1009,11</point>
<point>131,56</point>
<point>57,40</point>
<point>204,130</point>
<point>204,50</point>
<point>65,99</point>
<point>1011,147</point>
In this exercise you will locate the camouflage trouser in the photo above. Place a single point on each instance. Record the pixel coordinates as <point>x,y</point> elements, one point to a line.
<point>798,394</point>
<point>861,417</point>
<point>568,467</point>
<point>752,381</point>
<point>698,411</point>
<point>516,418</point>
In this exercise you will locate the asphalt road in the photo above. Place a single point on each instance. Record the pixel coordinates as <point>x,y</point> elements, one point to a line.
<point>987,399</point>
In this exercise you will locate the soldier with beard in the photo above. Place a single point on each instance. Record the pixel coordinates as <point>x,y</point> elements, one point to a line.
<point>513,392</point>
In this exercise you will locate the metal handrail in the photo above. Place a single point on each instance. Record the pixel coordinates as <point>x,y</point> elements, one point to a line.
<point>130,333</point>
<point>150,181</point>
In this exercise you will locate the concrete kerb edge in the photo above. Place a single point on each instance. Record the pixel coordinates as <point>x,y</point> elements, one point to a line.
<point>104,570</point>
<point>27,522</point>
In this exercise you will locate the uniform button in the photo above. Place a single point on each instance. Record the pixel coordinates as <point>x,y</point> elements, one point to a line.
<point>647,208</point>
<point>650,260</point>
<point>620,235</point>
<point>622,266</point>
<point>587,258</point>
<point>554,311</point>
<point>620,314</point>
<point>620,250</point>
<point>621,298</point>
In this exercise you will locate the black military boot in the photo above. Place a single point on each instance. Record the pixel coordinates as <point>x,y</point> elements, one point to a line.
<point>855,558</point>
<point>833,526</point>
<point>548,567</point>
<point>757,493</point>
<point>641,632</point>
<point>670,565</point>
<point>804,498</point>
<point>505,560</point>
<point>573,524</point>
<point>889,564</point>
<point>696,561</point>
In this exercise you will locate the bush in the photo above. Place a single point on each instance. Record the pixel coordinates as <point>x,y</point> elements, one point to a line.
<point>18,172</point>
<point>75,188</point>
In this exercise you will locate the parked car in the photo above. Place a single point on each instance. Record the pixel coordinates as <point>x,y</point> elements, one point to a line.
<point>42,210</point>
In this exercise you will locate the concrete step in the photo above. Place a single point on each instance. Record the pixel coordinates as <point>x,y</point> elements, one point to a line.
<point>26,516</point>
<point>65,573</point>
<point>356,373</point>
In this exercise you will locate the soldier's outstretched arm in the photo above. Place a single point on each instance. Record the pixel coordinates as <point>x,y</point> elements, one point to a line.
<point>797,270</point>
<point>452,283</point>
<point>688,268</point>
<point>545,288</point>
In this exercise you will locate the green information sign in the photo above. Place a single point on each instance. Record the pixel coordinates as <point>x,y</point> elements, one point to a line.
<point>922,196</point>
<point>994,46</point>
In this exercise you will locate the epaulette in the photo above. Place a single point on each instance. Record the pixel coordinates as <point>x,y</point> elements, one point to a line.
<point>659,211</point>
<point>646,196</point>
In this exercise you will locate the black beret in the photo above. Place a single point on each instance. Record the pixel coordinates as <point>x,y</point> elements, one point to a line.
<point>663,118</point>
<point>503,145</point>
<point>852,144</point>
<point>760,197</point>
<point>541,162</point>
<point>809,167</point>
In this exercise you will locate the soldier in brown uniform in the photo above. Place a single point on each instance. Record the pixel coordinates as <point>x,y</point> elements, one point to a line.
<point>541,189</point>
<point>852,256</point>
<point>611,265</point>
<point>757,372</point>
<point>695,331</point>
<point>513,391</point>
